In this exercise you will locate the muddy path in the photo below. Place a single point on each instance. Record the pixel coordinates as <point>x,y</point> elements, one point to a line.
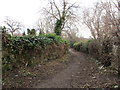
<point>81,72</point>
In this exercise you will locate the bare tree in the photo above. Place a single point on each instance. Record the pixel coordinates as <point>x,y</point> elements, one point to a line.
<point>61,14</point>
<point>102,20</point>
<point>45,25</point>
<point>12,26</point>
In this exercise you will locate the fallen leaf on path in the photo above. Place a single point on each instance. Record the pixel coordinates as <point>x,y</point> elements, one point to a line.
<point>101,67</point>
<point>93,77</point>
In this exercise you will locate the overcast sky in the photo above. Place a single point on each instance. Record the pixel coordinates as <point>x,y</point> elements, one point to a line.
<point>27,11</point>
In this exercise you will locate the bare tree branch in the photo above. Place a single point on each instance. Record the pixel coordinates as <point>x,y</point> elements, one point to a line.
<point>12,26</point>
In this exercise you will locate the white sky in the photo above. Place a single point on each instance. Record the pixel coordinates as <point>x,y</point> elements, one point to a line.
<point>27,11</point>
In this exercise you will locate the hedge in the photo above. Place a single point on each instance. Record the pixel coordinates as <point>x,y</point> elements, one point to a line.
<point>24,50</point>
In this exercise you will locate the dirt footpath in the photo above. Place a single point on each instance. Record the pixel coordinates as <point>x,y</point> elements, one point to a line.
<point>81,72</point>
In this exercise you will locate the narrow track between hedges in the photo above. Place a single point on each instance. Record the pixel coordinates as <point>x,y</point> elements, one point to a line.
<point>81,72</point>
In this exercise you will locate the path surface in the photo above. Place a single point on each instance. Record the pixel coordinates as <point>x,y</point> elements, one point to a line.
<point>81,72</point>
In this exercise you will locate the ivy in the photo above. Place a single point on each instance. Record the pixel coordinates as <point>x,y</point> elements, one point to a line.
<point>19,48</point>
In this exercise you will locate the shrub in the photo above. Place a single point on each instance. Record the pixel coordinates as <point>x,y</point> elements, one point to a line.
<point>71,43</point>
<point>101,50</point>
<point>77,46</point>
<point>82,45</point>
<point>23,50</point>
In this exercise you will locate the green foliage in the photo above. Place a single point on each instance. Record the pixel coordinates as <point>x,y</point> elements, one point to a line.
<point>28,31</point>
<point>101,52</point>
<point>19,44</point>
<point>82,45</point>
<point>58,27</point>
<point>71,43</point>
<point>31,32</point>
<point>57,39</point>
<point>77,46</point>
<point>21,49</point>
<point>23,34</point>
